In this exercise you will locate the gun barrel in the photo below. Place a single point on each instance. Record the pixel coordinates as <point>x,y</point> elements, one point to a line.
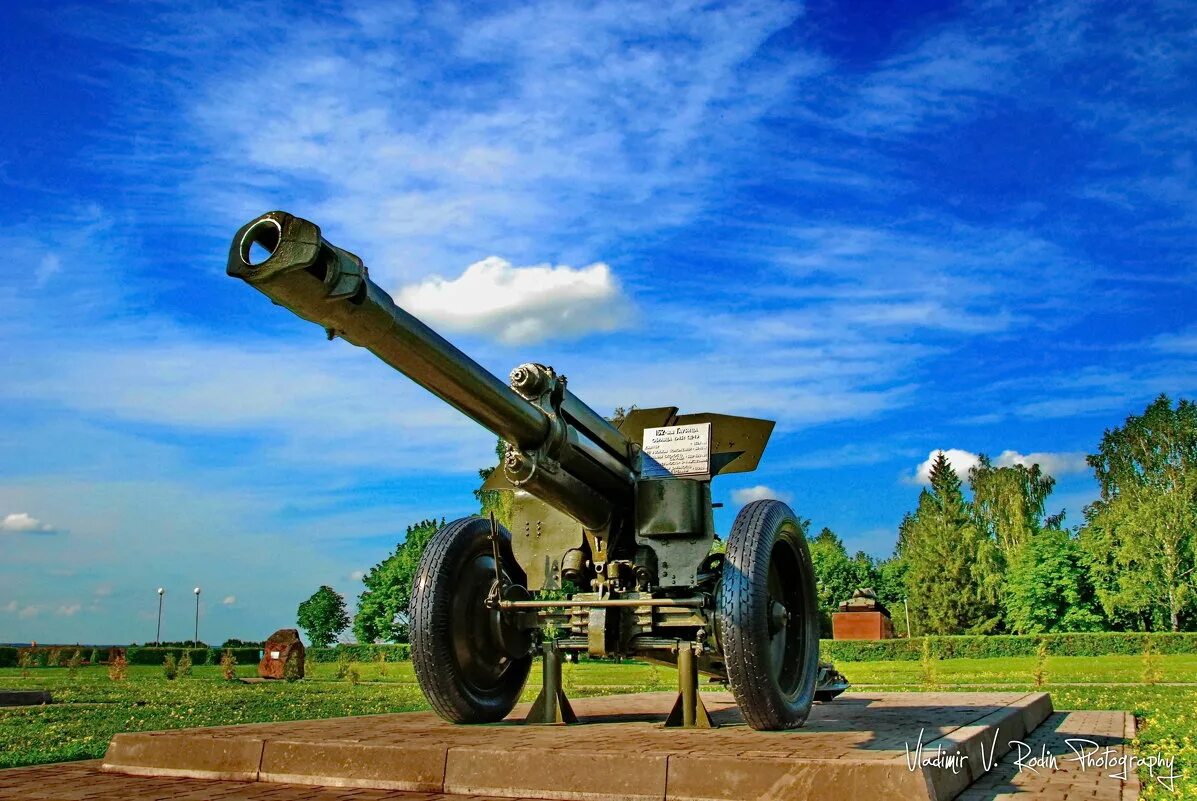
<point>331,287</point>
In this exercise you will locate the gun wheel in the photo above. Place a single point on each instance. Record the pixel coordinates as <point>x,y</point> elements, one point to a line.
<point>768,617</point>
<point>470,661</point>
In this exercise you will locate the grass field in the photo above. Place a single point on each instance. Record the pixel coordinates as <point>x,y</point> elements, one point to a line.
<point>89,708</point>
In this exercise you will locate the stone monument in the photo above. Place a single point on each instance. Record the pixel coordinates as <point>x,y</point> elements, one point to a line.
<point>862,617</point>
<point>282,648</point>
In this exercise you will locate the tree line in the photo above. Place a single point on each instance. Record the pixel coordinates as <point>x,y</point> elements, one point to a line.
<point>989,560</point>
<point>994,561</point>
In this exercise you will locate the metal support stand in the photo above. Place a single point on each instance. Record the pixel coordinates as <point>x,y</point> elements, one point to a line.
<point>551,706</point>
<point>688,711</point>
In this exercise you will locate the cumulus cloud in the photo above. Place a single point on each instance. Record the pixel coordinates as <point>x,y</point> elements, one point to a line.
<point>229,600</point>
<point>24,522</point>
<point>69,610</point>
<point>9,607</point>
<point>758,493</point>
<point>519,305</point>
<point>961,461</point>
<point>357,575</point>
<point>1054,464</point>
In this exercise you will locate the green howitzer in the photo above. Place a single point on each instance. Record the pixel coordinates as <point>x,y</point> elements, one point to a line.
<point>609,550</point>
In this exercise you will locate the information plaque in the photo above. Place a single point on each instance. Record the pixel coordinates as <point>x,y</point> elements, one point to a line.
<point>677,451</point>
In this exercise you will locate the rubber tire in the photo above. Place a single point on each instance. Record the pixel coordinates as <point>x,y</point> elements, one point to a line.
<point>433,655</point>
<point>744,618</point>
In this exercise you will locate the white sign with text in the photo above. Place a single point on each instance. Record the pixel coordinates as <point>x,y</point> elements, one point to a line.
<point>682,451</point>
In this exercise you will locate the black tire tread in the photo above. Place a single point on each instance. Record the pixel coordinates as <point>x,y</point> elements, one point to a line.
<point>431,644</point>
<point>744,630</point>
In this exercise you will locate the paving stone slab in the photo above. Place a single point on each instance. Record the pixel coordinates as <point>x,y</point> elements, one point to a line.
<point>858,745</point>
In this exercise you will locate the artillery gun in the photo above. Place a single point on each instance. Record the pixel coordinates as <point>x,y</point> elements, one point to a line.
<point>611,526</point>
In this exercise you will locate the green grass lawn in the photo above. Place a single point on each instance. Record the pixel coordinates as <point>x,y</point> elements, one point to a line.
<point>89,708</point>
<point>1019,670</point>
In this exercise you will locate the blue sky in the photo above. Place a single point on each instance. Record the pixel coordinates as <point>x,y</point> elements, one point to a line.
<point>893,228</point>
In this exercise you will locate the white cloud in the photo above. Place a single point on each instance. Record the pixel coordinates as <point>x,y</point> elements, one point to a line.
<point>962,461</point>
<point>520,304</point>
<point>407,161</point>
<point>357,575</point>
<point>229,600</point>
<point>46,269</point>
<point>1054,464</point>
<point>10,607</point>
<point>758,493</point>
<point>1181,342</point>
<point>28,612</point>
<point>22,521</point>
<point>68,610</point>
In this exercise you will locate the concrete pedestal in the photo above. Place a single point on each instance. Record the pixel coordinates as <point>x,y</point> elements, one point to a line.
<point>858,746</point>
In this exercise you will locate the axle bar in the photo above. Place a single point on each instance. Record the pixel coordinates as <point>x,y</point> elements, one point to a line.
<point>691,603</point>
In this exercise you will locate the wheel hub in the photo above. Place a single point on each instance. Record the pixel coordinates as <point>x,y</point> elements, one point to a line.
<point>779,616</point>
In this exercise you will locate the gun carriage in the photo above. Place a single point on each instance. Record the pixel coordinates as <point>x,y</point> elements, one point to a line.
<point>610,537</point>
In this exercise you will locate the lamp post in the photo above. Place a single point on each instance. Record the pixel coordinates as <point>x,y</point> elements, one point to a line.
<point>197,594</point>
<point>158,636</point>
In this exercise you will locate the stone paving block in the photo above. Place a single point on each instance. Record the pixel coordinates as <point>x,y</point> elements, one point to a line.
<point>570,775</point>
<point>1036,709</point>
<point>410,766</point>
<point>713,778</point>
<point>181,754</point>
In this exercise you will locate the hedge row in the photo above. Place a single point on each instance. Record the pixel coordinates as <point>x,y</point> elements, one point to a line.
<point>904,649</point>
<point>51,655</point>
<point>59,656</point>
<point>199,656</point>
<point>982,646</point>
<point>396,652</point>
<point>8,656</point>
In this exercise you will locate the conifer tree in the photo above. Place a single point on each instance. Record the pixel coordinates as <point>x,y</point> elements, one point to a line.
<point>953,569</point>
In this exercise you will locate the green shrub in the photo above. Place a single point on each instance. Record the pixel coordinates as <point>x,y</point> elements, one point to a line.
<point>9,656</point>
<point>118,668</point>
<point>185,665</point>
<point>927,662</point>
<point>170,666</point>
<point>1153,664</point>
<point>154,656</point>
<point>228,665</point>
<point>75,661</point>
<point>343,665</point>
<point>369,652</point>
